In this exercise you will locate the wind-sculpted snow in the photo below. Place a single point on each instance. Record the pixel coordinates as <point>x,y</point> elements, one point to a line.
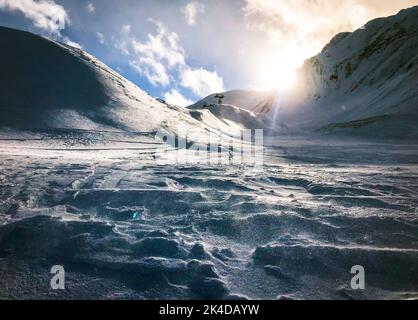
<point>125,226</point>
<point>96,176</point>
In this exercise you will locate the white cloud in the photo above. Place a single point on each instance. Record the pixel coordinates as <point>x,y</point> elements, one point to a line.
<point>153,70</point>
<point>192,10</point>
<point>176,98</point>
<point>100,37</point>
<point>45,14</point>
<point>126,28</point>
<point>123,41</point>
<point>91,8</point>
<point>201,81</point>
<point>164,46</point>
<point>157,55</point>
<point>161,53</point>
<point>299,29</point>
<point>161,59</point>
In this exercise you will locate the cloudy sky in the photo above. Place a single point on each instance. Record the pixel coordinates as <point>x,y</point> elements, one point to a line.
<point>183,50</point>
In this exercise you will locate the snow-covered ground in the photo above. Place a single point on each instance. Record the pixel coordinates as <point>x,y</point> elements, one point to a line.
<point>293,230</point>
<point>85,184</point>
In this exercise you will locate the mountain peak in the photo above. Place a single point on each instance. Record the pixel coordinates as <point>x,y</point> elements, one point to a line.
<point>368,73</point>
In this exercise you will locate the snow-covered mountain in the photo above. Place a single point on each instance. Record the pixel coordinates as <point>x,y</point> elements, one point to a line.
<point>365,81</point>
<point>130,218</point>
<point>47,84</point>
<point>253,101</point>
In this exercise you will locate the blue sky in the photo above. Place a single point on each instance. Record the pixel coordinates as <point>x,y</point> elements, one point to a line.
<point>183,50</point>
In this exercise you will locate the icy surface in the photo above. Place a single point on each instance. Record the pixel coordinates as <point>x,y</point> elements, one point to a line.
<point>293,230</point>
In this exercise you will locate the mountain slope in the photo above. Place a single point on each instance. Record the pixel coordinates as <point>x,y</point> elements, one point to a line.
<point>253,101</point>
<point>46,84</point>
<point>229,114</point>
<point>369,73</point>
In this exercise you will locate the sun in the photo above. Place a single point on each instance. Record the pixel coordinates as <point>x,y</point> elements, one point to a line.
<point>277,76</point>
<point>283,79</point>
<point>276,68</point>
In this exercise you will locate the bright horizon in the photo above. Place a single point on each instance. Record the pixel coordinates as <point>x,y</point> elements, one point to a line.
<point>249,44</point>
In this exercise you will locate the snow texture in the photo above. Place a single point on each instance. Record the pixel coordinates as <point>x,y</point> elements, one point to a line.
<point>83,182</point>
